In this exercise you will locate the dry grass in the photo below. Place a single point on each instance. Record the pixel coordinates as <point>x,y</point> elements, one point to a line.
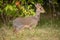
<point>33,34</point>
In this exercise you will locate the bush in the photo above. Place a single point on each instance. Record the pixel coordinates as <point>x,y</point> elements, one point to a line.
<point>10,9</point>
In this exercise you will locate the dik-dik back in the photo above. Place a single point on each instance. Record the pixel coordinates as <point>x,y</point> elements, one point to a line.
<point>20,22</point>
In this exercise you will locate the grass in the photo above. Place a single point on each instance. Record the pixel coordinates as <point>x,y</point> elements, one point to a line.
<point>46,30</point>
<point>33,34</point>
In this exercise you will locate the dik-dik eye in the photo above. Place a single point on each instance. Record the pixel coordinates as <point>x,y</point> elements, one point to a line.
<point>40,8</point>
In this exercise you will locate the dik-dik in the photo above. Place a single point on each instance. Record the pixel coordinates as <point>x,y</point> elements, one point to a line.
<point>28,22</point>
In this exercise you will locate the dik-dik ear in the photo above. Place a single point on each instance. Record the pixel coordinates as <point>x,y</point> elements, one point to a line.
<point>37,5</point>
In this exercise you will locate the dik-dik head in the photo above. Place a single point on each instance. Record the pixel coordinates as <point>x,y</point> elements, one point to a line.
<point>39,8</point>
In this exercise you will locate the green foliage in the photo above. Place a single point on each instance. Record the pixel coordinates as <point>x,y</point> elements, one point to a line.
<point>10,9</point>
<point>27,11</point>
<point>0,2</point>
<point>54,1</point>
<point>24,9</point>
<point>40,1</point>
<point>24,12</point>
<point>1,11</point>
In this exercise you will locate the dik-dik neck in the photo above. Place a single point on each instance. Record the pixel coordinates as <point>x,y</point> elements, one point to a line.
<point>37,13</point>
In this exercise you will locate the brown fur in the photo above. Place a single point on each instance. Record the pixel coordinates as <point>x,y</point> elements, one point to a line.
<point>28,22</point>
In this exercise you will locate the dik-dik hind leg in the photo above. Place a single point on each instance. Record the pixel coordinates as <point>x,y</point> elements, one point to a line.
<point>17,28</point>
<point>16,32</point>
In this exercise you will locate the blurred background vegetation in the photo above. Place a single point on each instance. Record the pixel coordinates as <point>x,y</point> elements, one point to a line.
<point>10,9</point>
